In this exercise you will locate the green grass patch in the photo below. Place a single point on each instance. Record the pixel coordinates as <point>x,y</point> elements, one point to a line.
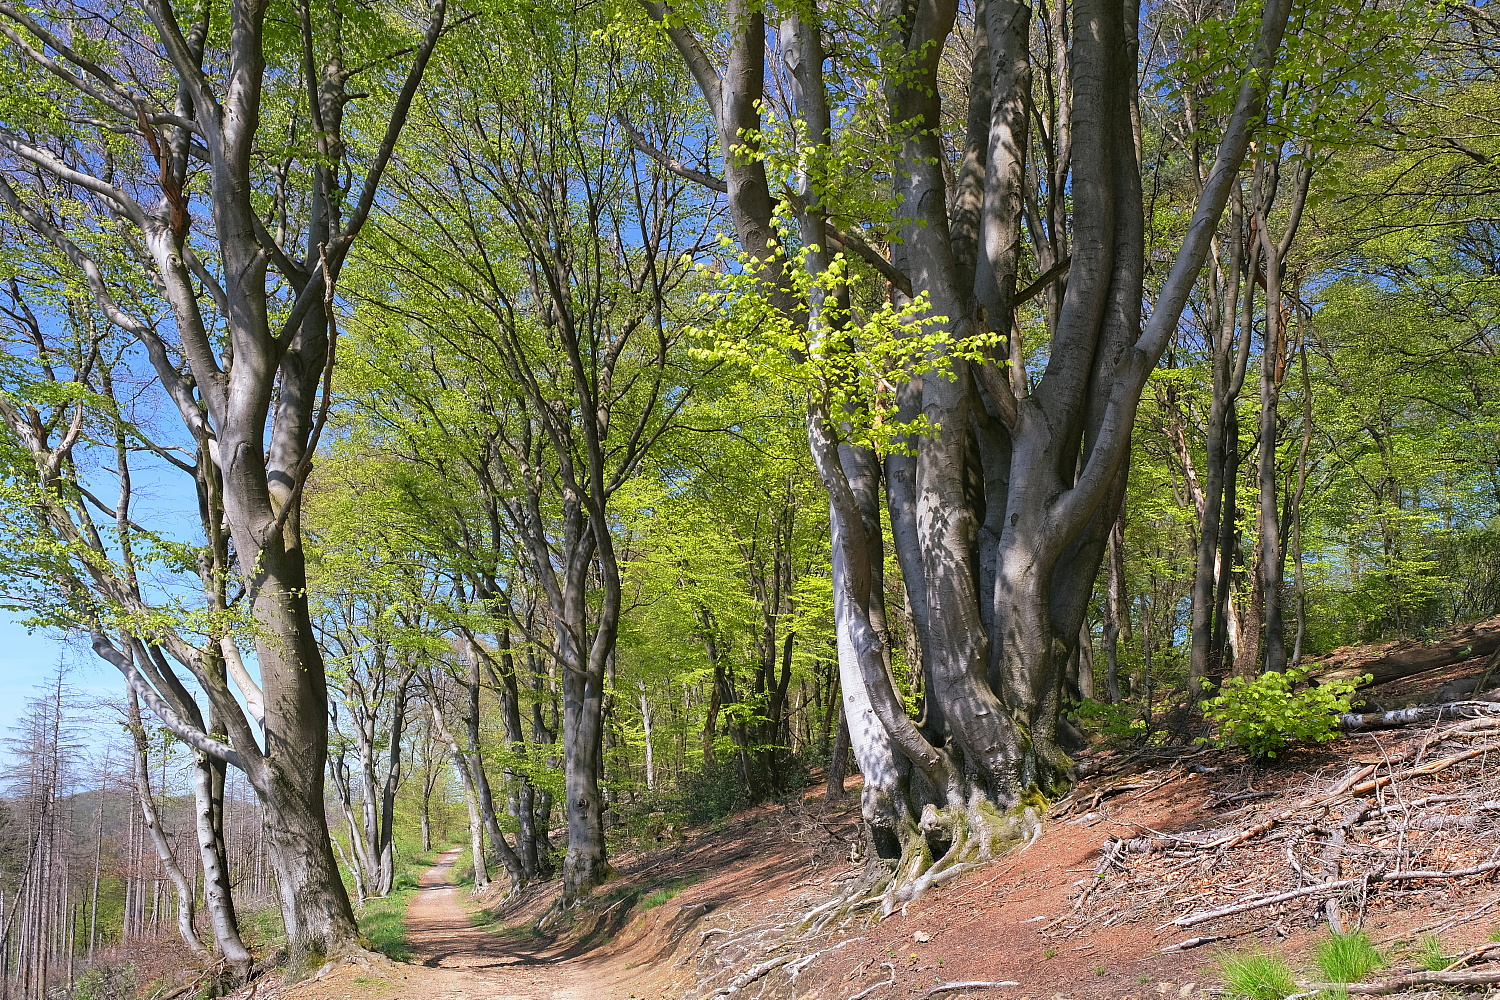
<point>666,892</point>
<point>1257,976</point>
<point>383,921</point>
<point>1347,958</point>
<point>1430,954</point>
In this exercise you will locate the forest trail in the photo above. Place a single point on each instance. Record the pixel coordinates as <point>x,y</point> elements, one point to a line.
<point>456,960</point>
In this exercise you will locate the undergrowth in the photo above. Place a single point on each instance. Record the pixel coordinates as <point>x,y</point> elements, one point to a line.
<point>1347,958</point>
<point>1340,959</point>
<point>666,892</point>
<point>1266,714</point>
<point>1430,954</point>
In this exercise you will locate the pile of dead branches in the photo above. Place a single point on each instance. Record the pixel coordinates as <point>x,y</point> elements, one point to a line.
<point>1415,818</point>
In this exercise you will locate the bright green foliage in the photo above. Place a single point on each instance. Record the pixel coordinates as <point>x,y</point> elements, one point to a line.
<point>1257,976</point>
<point>1116,724</point>
<point>856,357</point>
<point>1269,712</point>
<point>1347,958</point>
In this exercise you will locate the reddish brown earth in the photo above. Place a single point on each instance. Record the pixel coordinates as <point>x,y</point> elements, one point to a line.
<point>743,888</point>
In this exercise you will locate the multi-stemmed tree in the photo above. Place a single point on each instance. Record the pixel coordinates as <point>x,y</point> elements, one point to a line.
<point>1000,500</point>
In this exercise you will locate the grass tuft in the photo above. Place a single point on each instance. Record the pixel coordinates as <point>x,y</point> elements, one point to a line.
<point>665,893</point>
<point>1347,958</point>
<point>1257,976</point>
<point>1430,955</point>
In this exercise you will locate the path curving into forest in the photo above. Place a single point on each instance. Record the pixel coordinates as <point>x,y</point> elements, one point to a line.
<point>470,962</point>
<point>456,960</point>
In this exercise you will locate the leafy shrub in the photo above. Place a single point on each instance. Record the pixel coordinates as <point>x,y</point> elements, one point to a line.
<point>1257,976</point>
<point>1116,724</point>
<point>1267,713</point>
<point>713,793</point>
<point>1347,958</point>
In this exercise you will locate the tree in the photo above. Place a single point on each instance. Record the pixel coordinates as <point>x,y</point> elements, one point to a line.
<point>248,336</point>
<point>1001,505</point>
<point>538,381</point>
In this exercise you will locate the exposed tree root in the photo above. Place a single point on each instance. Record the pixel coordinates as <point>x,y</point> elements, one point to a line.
<point>973,835</point>
<point>939,846</point>
<point>371,961</point>
<point>871,989</point>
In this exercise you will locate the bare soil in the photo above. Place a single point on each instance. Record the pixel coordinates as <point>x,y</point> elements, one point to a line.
<point>718,915</point>
<point>457,960</point>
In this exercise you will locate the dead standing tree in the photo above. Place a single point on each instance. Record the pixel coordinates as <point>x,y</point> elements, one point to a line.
<point>251,318</point>
<point>1001,515</point>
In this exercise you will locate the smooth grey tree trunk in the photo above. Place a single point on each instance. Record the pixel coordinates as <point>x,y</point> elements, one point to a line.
<point>186,899</point>
<point>249,396</point>
<point>218,896</point>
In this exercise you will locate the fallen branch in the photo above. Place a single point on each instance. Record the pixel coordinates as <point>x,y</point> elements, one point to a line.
<point>1198,942</point>
<point>972,984</point>
<point>1469,956</point>
<point>1355,721</point>
<point>1344,787</point>
<point>1475,977</point>
<point>1481,639</point>
<point>1203,916</point>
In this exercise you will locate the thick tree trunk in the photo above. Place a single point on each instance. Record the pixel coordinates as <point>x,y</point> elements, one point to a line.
<point>999,567</point>
<point>1403,659</point>
<point>584,865</point>
<point>319,921</point>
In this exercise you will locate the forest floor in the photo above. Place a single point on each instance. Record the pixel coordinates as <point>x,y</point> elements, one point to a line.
<point>1087,911</point>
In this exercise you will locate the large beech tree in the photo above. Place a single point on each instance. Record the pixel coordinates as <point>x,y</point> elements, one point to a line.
<point>1000,507</point>
<point>211,154</point>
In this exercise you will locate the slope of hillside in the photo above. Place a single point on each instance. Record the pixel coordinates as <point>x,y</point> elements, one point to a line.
<point>1152,869</point>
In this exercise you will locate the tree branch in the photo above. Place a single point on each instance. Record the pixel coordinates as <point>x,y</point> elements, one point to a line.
<point>191,735</point>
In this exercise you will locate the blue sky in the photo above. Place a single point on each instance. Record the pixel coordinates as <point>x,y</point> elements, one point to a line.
<point>28,661</point>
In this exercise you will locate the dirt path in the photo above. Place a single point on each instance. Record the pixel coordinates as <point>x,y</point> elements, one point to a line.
<point>456,960</point>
